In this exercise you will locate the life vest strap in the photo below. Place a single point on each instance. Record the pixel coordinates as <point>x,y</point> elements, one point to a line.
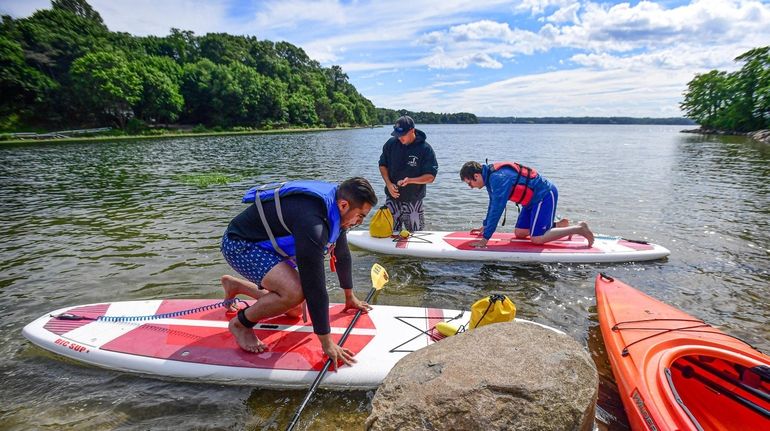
<point>261,210</point>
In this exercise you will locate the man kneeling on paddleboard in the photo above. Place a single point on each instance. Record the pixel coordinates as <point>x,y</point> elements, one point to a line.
<point>278,244</point>
<point>509,181</point>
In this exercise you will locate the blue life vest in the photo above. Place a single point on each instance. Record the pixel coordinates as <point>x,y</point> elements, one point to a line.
<point>284,245</point>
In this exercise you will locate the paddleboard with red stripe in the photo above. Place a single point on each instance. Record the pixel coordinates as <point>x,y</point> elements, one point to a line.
<point>191,342</point>
<point>506,247</point>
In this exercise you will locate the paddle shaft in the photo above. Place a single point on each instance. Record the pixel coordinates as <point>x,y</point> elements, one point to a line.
<point>328,363</point>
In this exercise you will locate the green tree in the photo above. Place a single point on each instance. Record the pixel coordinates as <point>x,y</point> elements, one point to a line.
<point>107,85</point>
<point>24,88</point>
<point>161,100</point>
<point>706,97</point>
<point>222,48</point>
<point>301,109</point>
<point>750,83</point>
<point>80,8</point>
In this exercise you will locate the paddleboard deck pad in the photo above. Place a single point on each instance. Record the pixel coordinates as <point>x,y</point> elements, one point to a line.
<point>506,247</point>
<point>192,342</point>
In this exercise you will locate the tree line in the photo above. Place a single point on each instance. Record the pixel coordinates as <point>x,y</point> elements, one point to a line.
<point>63,67</point>
<point>737,101</point>
<point>585,120</point>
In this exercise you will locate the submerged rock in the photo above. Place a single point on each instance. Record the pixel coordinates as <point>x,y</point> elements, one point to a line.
<point>761,136</point>
<point>505,376</point>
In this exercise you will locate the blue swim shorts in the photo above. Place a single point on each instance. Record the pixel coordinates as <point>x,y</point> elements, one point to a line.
<point>539,218</point>
<point>248,259</point>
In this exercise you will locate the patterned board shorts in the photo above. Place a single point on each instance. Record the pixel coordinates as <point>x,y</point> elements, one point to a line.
<point>248,259</point>
<point>407,215</point>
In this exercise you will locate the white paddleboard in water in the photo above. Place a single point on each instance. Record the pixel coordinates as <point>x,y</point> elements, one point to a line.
<point>506,247</point>
<point>197,345</point>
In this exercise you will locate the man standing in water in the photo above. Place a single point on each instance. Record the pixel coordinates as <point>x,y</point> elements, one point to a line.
<point>407,164</point>
<point>509,181</point>
<point>293,225</point>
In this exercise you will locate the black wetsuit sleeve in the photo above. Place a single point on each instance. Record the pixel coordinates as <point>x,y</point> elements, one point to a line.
<point>310,238</point>
<point>344,262</point>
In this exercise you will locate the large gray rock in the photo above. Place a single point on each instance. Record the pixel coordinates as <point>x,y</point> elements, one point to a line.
<point>505,376</point>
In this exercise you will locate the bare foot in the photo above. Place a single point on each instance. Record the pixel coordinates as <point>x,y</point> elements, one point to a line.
<point>234,287</point>
<point>245,337</point>
<point>562,223</point>
<point>586,232</point>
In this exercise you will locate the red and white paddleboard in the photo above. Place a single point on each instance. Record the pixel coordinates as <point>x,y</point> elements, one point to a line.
<point>506,247</point>
<point>198,346</point>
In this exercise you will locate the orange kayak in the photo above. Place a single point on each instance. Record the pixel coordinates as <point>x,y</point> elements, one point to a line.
<point>675,372</point>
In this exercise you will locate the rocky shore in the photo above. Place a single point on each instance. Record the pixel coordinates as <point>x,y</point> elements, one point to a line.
<point>758,135</point>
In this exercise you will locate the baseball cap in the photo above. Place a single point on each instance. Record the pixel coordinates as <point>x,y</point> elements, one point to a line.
<point>402,126</point>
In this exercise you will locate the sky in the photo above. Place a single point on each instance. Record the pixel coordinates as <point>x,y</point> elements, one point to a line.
<point>524,58</point>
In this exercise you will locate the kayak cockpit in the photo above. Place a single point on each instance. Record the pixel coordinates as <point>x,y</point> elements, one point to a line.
<point>720,394</point>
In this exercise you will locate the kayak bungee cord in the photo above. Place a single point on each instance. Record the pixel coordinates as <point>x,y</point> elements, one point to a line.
<point>226,304</point>
<point>694,328</point>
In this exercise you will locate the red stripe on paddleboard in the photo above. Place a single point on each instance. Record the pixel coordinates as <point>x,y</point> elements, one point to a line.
<point>337,319</point>
<point>434,315</point>
<point>501,242</point>
<point>216,346</point>
<point>635,245</point>
<point>400,241</point>
<point>288,350</point>
<point>60,326</point>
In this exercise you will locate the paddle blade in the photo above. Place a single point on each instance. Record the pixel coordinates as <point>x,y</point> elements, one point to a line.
<point>379,276</point>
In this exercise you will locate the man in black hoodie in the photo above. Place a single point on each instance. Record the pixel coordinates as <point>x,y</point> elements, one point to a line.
<point>407,164</point>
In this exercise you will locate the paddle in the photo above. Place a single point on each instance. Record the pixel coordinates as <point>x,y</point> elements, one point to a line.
<point>379,278</point>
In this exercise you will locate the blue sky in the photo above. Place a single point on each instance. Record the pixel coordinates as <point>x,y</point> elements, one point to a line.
<point>493,58</point>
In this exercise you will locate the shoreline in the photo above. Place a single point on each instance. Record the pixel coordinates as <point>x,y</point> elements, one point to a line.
<point>762,136</point>
<point>174,135</point>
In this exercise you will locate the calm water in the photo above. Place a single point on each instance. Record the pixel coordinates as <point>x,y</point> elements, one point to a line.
<point>84,223</point>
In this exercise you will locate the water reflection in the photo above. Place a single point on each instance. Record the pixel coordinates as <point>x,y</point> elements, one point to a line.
<point>86,223</point>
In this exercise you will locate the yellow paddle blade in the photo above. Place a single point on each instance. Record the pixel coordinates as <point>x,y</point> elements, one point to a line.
<point>379,276</point>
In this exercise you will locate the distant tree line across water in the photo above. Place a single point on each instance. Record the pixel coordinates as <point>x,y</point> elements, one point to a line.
<point>734,102</point>
<point>586,120</point>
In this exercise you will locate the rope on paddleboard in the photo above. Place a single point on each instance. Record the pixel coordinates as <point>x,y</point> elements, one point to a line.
<point>427,332</point>
<point>413,237</point>
<point>226,303</point>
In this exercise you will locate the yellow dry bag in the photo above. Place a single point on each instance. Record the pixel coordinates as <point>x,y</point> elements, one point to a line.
<point>381,225</point>
<point>492,309</point>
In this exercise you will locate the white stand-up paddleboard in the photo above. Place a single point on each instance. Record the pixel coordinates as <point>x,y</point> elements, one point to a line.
<point>197,346</point>
<point>506,247</point>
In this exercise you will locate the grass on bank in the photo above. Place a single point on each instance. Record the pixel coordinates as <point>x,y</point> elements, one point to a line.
<point>165,133</point>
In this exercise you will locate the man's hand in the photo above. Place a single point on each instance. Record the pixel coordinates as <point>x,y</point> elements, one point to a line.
<point>393,190</point>
<point>335,352</point>
<point>479,243</point>
<point>404,182</point>
<point>477,231</point>
<point>353,303</point>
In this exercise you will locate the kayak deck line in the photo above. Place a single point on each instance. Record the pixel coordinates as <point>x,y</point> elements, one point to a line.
<point>693,329</point>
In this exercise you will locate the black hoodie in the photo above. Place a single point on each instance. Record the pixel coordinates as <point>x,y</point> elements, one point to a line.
<point>411,161</point>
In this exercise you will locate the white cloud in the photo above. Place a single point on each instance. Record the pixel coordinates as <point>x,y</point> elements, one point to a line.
<point>656,44</point>
<point>571,92</point>
<point>565,14</point>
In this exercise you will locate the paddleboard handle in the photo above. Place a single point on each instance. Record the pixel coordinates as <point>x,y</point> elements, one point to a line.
<point>70,316</point>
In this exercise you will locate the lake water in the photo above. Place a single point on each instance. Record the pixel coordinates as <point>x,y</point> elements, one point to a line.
<point>94,222</point>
